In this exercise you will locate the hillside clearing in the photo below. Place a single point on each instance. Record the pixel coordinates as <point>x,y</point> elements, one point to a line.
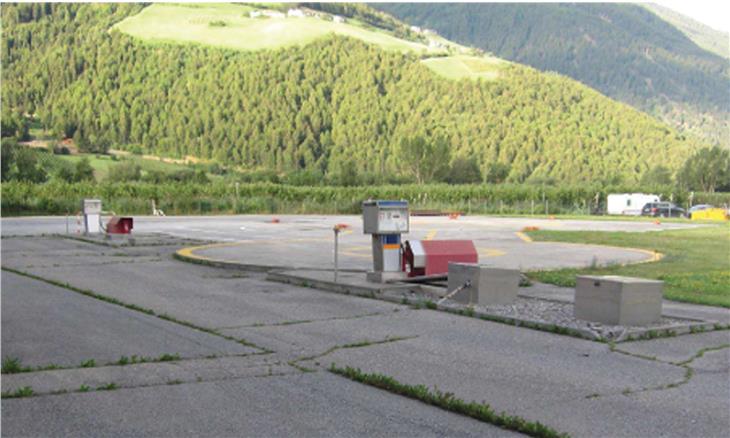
<point>231,27</point>
<point>470,67</point>
<point>102,163</point>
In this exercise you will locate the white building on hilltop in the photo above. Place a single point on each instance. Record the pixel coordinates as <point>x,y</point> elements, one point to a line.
<point>298,13</point>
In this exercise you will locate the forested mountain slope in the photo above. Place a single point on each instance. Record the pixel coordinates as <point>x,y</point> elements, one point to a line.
<point>704,36</point>
<point>622,50</point>
<point>336,104</point>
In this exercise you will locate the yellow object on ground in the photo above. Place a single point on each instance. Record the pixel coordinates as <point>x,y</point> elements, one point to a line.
<point>713,214</point>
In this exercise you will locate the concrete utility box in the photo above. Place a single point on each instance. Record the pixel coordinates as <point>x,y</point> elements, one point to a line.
<point>618,300</point>
<point>489,286</point>
<point>91,209</point>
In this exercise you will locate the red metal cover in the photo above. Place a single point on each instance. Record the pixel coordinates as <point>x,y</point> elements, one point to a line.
<point>440,252</point>
<point>120,225</point>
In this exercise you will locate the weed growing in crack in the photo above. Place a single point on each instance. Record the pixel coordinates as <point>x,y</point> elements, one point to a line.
<point>84,388</point>
<point>13,365</point>
<point>25,391</point>
<point>108,387</point>
<point>91,363</point>
<point>447,401</point>
<point>49,367</point>
<point>169,357</point>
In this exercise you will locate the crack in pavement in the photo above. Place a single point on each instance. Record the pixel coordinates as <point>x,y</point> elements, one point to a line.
<point>307,321</point>
<point>197,379</point>
<point>134,307</point>
<point>114,262</point>
<point>688,374</point>
<point>361,344</point>
<point>146,374</point>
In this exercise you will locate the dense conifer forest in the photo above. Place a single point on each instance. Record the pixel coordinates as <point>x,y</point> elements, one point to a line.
<point>336,106</point>
<point>623,50</point>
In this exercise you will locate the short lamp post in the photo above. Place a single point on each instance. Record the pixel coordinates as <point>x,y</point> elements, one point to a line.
<point>337,228</point>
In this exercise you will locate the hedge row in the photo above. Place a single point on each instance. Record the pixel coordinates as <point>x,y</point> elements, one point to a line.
<point>20,198</point>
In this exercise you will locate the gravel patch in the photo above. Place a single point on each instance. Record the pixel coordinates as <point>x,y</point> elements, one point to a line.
<point>530,312</point>
<point>560,314</point>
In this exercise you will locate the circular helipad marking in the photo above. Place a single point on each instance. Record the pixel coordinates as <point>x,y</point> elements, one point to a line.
<point>490,252</point>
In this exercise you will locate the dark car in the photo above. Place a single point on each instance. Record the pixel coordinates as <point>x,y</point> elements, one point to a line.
<point>662,209</point>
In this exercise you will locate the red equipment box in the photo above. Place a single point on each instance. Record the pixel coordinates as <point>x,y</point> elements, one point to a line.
<point>432,257</point>
<point>120,225</point>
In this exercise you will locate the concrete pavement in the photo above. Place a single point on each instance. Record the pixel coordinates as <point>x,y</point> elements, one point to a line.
<point>39,321</point>
<point>576,386</point>
<point>306,241</point>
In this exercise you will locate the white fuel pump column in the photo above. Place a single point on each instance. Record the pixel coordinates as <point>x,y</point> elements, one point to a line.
<point>91,209</point>
<point>385,221</point>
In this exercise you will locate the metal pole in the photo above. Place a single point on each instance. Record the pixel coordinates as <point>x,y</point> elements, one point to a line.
<point>66,222</point>
<point>337,233</point>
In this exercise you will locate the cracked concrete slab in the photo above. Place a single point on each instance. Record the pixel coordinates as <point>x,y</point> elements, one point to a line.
<point>147,374</point>
<point>43,324</point>
<point>536,375</point>
<point>697,408</point>
<point>677,349</point>
<point>320,335</point>
<point>177,288</point>
<point>314,404</point>
<point>532,374</point>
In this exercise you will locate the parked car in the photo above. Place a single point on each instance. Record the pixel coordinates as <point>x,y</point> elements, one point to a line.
<point>662,209</point>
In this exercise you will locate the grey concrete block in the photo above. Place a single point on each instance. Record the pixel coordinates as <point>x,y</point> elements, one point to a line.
<point>488,286</point>
<point>384,276</point>
<point>618,300</point>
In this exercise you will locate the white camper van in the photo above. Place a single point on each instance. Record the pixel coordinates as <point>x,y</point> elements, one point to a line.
<point>628,203</point>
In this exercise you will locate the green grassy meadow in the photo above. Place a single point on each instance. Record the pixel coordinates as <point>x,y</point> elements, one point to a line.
<point>102,163</point>
<point>470,67</point>
<point>236,30</point>
<point>695,267</point>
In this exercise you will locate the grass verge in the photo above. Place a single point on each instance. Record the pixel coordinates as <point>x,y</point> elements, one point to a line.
<point>444,400</point>
<point>695,268</point>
